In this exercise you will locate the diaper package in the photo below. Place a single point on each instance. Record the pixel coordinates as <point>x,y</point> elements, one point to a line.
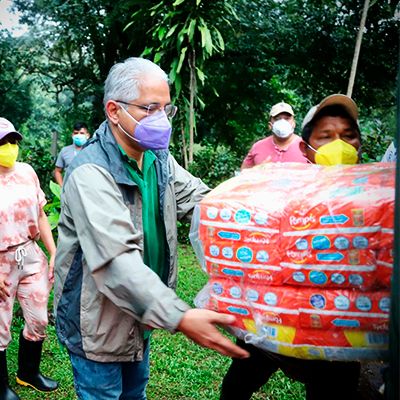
<point>302,256</point>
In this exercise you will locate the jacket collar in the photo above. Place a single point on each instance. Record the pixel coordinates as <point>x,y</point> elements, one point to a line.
<point>115,157</point>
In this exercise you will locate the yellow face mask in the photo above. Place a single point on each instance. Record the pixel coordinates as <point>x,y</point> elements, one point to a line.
<point>336,152</point>
<point>8,155</point>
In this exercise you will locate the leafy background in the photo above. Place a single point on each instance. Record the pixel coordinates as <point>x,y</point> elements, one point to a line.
<point>229,62</point>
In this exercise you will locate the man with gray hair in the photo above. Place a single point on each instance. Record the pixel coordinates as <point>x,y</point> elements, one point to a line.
<point>117,251</point>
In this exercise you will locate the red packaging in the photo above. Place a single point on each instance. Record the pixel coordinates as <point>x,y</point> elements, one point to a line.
<point>301,255</point>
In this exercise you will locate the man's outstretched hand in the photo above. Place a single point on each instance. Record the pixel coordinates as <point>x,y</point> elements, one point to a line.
<point>200,326</point>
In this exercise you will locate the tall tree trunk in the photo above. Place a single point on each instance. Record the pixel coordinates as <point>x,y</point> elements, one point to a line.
<point>192,89</point>
<point>357,49</point>
<point>184,147</point>
<point>54,142</point>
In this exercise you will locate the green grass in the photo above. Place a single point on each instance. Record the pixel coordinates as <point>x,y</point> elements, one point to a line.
<point>179,368</point>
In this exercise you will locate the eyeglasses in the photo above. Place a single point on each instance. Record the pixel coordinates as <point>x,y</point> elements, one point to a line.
<point>170,110</point>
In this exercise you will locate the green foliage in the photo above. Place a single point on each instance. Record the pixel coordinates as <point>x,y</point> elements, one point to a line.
<point>184,35</point>
<point>53,208</point>
<point>184,27</point>
<point>15,78</point>
<point>183,232</point>
<point>36,152</point>
<point>299,51</point>
<point>246,54</point>
<point>376,135</point>
<point>214,164</point>
<point>79,42</point>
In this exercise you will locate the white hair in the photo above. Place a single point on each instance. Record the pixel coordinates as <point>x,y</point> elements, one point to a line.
<point>124,79</point>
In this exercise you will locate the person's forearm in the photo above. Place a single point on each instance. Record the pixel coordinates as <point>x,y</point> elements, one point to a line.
<point>248,162</point>
<point>45,233</point>
<point>58,177</point>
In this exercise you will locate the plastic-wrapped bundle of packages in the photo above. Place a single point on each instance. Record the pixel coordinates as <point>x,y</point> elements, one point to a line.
<point>302,256</point>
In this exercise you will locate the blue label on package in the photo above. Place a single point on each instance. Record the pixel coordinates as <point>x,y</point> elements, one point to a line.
<point>217,288</point>
<point>269,331</point>
<point>377,338</point>
<point>252,295</point>
<point>261,218</point>
<point>229,235</point>
<point>337,278</point>
<point>341,243</point>
<point>317,301</point>
<point>262,256</point>
<point>242,216</point>
<point>214,250</point>
<point>360,242</point>
<point>212,212</point>
<point>330,257</point>
<point>346,323</point>
<point>363,303</point>
<point>347,191</point>
<point>237,310</point>
<point>235,292</point>
<point>232,272</point>
<point>320,243</point>
<point>225,214</point>
<point>301,244</point>
<point>317,277</point>
<point>298,277</point>
<point>333,219</point>
<point>270,298</point>
<point>227,252</point>
<point>356,280</point>
<point>384,304</point>
<point>342,302</point>
<point>244,254</point>
<point>363,179</point>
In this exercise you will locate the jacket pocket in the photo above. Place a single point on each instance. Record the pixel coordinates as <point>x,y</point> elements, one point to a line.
<point>106,330</point>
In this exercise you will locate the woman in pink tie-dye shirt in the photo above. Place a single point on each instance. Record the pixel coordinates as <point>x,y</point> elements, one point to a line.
<point>25,273</point>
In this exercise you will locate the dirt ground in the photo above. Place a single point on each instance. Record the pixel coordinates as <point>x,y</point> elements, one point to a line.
<point>371,380</point>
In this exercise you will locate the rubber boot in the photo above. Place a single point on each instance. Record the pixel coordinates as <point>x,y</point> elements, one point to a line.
<point>6,393</point>
<point>29,356</point>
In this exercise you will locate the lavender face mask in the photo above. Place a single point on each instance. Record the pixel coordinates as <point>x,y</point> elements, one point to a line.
<point>152,132</point>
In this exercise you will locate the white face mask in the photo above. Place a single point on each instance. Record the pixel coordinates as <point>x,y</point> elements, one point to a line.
<point>282,128</point>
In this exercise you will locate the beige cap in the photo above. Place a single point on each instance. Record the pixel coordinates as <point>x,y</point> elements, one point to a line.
<point>335,99</point>
<point>281,108</point>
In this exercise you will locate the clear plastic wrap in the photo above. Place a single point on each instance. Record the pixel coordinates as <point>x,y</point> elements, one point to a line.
<point>302,256</point>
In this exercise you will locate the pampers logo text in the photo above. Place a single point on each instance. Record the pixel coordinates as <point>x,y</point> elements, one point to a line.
<point>257,237</point>
<point>260,275</point>
<point>298,257</point>
<point>300,223</point>
<point>272,318</point>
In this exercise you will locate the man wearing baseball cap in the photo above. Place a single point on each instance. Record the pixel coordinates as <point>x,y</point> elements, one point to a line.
<point>330,132</point>
<point>282,145</point>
